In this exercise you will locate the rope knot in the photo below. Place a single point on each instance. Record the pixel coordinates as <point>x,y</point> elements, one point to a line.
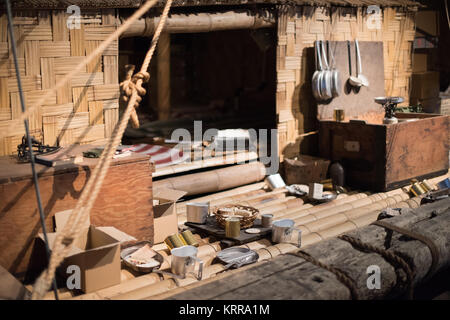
<point>67,241</point>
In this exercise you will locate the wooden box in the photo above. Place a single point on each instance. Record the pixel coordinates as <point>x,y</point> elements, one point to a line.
<point>379,157</point>
<point>305,169</point>
<point>124,201</point>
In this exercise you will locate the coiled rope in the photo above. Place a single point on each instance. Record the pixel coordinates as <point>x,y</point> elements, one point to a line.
<point>131,87</point>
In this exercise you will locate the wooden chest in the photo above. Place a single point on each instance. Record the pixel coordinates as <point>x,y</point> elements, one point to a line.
<point>380,157</point>
<point>124,202</point>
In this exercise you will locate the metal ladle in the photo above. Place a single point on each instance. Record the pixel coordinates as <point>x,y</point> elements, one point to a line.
<point>354,81</point>
<point>361,77</point>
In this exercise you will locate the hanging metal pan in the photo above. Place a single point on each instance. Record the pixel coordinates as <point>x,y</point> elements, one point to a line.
<point>336,85</point>
<point>325,83</point>
<point>317,74</point>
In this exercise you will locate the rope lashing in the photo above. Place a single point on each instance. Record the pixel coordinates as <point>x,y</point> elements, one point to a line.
<point>130,84</point>
<point>419,237</point>
<point>340,275</point>
<point>393,259</point>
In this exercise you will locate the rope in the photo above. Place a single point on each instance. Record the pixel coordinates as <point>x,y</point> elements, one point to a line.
<point>74,225</point>
<point>340,275</point>
<point>391,257</point>
<point>417,236</point>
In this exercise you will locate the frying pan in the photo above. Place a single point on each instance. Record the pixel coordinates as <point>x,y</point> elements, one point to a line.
<point>325,83</point>
<point>317,74</point>
<point>336,84</point>
<point>237,257</point>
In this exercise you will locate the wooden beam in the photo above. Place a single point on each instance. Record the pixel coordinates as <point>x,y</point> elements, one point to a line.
<point>163,76</point>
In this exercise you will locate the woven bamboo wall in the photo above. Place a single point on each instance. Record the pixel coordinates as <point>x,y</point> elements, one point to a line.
<point>298,28</point>
<point>86,109</point>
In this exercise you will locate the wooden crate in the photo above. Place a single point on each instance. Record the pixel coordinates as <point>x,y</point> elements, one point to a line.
<point>305,169</point>
<point>124,202</point>
<point>380,157</point>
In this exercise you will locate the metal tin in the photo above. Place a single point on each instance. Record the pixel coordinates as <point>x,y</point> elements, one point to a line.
<point>197,212</point>
<point>189,238</point>
<point>232,227</point>
<point>266,220</point>
<point>339,115</point>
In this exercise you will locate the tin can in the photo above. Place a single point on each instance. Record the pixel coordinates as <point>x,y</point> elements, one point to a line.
<point>266,220</point>
<point>339,115</point>
<point>232,227</point>
<point>189,238</point>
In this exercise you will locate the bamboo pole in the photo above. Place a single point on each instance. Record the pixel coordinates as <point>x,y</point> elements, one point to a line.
<point>163,76</point>
<point>215,180</point>
<point>201,22</point>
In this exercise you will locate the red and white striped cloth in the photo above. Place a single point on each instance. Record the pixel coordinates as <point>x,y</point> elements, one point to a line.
<point>160,155</point>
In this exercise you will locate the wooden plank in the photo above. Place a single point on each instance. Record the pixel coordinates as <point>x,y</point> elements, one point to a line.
<point>54,49</point>
<point>47,72</point>
<point>32,97</point>
<point>106,92</point>
<point>95,112</point>
<point>32,58</point>
<point>4,51</point>
<point>87,79</point>
<point>111,117</point>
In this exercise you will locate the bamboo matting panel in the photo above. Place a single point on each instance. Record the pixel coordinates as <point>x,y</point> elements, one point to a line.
<point>83,111</point>
<point>299,28</point>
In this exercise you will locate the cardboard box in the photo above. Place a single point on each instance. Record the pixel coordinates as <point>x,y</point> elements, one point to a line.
<point>428,21</point>
<point>96,252</point>
<point>165,216</point>
<point>425,85</point>
<point>420,62</point>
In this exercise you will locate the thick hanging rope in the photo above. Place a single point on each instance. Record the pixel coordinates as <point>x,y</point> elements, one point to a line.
<point>74,225</point>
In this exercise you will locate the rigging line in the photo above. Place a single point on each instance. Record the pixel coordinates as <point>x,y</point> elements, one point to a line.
<point>27,132</point>
<point>446,11</point>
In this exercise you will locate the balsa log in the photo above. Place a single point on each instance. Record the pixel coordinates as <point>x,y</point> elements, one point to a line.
<point>215,180</point>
